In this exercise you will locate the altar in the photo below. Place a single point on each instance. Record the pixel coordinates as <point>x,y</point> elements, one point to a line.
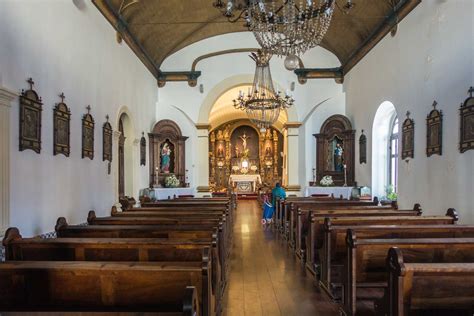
<point>346,192</point>
<point>245,183</point>
<point>169,193</point>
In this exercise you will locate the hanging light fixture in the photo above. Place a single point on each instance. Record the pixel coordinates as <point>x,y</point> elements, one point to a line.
<point>262,104</point>
<point>283,27</point>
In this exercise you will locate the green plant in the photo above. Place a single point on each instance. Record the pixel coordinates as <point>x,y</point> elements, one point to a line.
<point>390,193</point>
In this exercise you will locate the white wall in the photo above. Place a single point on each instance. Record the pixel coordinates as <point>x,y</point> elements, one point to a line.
<point>224,72</point>
<point>70,49</point>
<point>431,58</point>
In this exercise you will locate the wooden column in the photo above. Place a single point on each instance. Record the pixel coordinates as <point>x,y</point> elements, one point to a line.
<point>6,98</point>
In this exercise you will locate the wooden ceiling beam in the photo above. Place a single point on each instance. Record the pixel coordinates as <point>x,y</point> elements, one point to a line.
<point>319,73</point>
<point>403,8</point>
<point>120,25</point>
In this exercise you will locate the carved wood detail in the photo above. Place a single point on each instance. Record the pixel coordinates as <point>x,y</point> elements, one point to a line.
<point>31,108</point>
<point>408,138</point>
<point>62,128</point>
<point>466,113</point>
<point>434,132</point>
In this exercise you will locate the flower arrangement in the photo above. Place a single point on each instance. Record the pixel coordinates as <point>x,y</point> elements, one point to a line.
<point>171,182</point>
<point>326,181</point>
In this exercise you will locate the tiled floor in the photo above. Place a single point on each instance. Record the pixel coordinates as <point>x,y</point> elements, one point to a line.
<point>265,277</point>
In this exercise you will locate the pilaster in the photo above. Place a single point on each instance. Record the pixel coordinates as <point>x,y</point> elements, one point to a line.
<point>203,160</point>
<point>6,98</point>
<point>292,156</point>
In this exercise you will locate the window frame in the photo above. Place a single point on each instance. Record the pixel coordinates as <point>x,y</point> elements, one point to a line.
<point>390,156</point>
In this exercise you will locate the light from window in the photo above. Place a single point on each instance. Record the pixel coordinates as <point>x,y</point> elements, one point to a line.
<point>393,154</point>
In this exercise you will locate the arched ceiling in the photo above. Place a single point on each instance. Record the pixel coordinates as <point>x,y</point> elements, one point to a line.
<point>223,110</point>
<point>155,29</point>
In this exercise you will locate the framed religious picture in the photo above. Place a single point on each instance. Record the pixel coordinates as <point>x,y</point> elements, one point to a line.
<point>31,107</point>
<point>467,123</point>
<point>143,150</point>
<point>88,135</point>
<point>362,148</point>
<point>61,128</point>
<point>107,141</point>
<point>408,138</point>
<point>434,132</point>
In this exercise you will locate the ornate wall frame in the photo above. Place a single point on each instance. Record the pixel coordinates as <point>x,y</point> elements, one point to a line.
<point>62,128</point>
<point>31,107</point>
<point>88,135</point>
<point>362,148</point>
<point>408,138</point>
<point>466,113</point>
<point>434,132</point>
<point>143,150</point>
<point>107,141</point>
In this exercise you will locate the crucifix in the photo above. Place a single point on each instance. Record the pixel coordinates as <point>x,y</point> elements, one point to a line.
<point>31,82</point>
<point>434,105</point>
<point>62,96</point>
<point>88,109</point>
<point>471,91</point>
<point>244,140</point>
<point>408,114</point>
<point>107,118</point>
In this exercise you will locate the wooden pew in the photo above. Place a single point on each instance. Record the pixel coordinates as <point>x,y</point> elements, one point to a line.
<point>63,229</point>
<point>333,254</point>
<point>366,260</point>
<point>118,249</point>
<point>283,206</point>
<point>315,235</point>
<point>415,285</point>
<point>294,209</point>
<point>297,234</point>
<point>45,286</point>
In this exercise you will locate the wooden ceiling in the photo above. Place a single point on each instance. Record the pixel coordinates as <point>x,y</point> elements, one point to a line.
<point>155,29</point>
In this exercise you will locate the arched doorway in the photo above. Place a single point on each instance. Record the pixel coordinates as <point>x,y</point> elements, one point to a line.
<point>125,156</point>
<point>384,149</point>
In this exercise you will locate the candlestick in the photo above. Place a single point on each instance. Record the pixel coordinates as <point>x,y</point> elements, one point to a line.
<point>345,175</point>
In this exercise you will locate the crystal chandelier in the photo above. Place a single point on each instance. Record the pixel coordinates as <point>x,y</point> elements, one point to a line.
<point>283,27</point>
<point>262,104</point>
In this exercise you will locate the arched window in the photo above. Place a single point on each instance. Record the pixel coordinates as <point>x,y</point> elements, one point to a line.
<point>393,147</point>
<point>385,132</point>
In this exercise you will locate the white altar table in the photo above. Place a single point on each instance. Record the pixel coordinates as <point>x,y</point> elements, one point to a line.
<point>164,193</point>
<point>241,179</point>
<point>346,192</point>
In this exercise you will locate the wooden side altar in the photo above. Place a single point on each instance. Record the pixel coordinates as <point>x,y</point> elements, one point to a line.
<point>335,151</point>
<point>167,153</point>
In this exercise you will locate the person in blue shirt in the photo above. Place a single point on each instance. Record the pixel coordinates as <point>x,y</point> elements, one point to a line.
<point>278,191</point>
<point>267,210</point>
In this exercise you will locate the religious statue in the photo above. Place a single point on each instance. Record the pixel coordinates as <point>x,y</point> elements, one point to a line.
<point>338,158</point>
<point>244,141</point>
<point>165,158</point>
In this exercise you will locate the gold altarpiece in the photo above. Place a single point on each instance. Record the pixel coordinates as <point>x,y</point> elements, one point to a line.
<point>239,148</point>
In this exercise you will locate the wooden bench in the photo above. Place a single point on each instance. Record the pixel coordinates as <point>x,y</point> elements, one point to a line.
<point>415,285</point>
<point>283,205</point>
<point>297,234</point>
<point>294,209</point>
<point>63,229</point>
<point>45,286</point>
<point>315,235</point>
<point>118,249</point>
<point>366,261</point>
<point>333,254</point>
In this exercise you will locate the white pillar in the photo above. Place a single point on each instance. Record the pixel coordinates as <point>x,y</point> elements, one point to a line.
<point>292,158</point>
<point>136,168</point>
<point>202,166</point>
<point>115,166</point>
<point>6,98</point>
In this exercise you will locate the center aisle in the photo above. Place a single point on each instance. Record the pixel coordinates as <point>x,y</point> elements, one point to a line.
<point>265,277</point>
